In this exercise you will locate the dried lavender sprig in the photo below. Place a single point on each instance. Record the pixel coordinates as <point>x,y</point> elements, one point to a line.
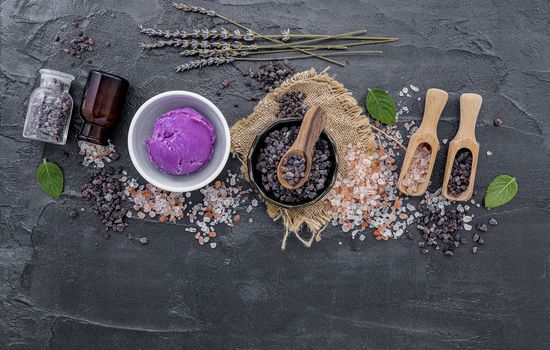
<point>252,49</point>
<point>206,44</point>
<point>203,34</point>
<point>203,63</point>
<point>194,44</point>
<point>246,36</point>
<point>187,8</point>
<point>197,9</point>
<point>242,52</point>
<point>211,52</point>
<point>227,58</point>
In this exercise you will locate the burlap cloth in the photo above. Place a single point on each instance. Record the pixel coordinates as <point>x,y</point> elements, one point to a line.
<point>346,124</point>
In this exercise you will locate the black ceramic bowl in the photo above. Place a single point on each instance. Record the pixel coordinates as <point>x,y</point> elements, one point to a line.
<point>256,176</point>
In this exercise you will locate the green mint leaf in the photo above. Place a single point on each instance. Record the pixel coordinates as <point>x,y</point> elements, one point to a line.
<point>500,191</point>
<point>381,106</point>
<point>50,178</point>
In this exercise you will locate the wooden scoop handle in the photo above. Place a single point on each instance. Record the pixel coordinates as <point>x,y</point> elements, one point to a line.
<point>470,104</point>
<point>435,102</point>
<point>310,130</point>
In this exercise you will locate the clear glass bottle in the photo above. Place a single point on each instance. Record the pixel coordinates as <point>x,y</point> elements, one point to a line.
<point>50,108</point>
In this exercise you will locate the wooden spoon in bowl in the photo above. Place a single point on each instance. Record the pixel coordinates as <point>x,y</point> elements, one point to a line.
<point>425,135</point>
<point>465,138</point>
<point>310,130</point>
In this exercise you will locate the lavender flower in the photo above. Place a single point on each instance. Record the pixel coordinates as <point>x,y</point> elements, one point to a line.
<point>192,44</point>
<point>227,52</point>
<point>203,34</point>
<point>216,60</point>
<point>197,9</point>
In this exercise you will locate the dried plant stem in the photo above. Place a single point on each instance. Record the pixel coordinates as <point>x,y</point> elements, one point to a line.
<point>345,53</point>
<point>306,47</point>
<point>311,41</point>
<point>211,13</point>
<point>311,48</point>
<point>388,136</point>
<point>361,43</point>
<point>331,36</point>
<point>326,47</point>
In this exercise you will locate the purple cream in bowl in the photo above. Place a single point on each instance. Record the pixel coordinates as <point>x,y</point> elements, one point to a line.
<point>182,141</point>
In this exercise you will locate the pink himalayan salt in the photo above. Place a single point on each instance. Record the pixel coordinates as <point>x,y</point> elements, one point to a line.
<point>367,197</point>
<point>417,173</point>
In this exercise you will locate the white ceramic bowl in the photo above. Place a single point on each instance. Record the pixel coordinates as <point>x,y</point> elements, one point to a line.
<point>141,129</point>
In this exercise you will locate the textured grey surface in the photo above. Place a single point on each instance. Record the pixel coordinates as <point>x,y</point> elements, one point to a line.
<point>62,286</point>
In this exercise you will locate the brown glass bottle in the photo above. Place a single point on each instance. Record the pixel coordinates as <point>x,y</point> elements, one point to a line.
<point>101,106</point>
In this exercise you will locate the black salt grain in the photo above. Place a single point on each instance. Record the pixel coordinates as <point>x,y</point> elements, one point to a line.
<point>460,173</point>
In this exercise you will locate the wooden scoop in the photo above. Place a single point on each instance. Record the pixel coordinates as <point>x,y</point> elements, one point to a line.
<point>310,130</point>
<point>470,104</point>
<point>426,133</point>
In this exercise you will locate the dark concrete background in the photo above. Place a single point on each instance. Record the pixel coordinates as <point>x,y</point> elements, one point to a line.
<point>62,286</point>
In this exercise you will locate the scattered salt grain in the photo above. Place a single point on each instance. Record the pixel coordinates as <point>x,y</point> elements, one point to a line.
<point>168,206</point>
<point>97,155</point>
<point>489,153</point>
<point>218,206</point>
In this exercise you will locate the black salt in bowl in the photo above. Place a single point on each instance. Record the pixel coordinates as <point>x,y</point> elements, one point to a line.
<point>256,176</point>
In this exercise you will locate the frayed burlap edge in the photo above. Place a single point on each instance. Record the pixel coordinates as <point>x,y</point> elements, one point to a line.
<point>346,124</point>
